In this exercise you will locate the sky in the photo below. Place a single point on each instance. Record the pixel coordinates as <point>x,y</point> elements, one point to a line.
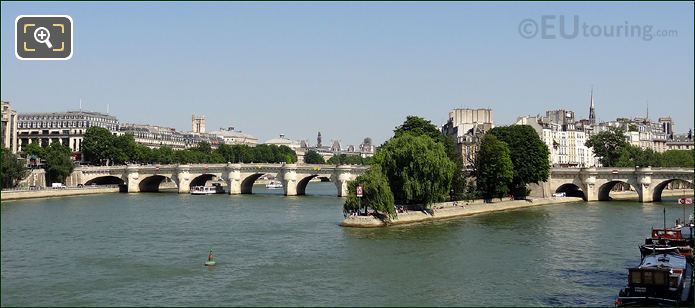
<point>355,70</point>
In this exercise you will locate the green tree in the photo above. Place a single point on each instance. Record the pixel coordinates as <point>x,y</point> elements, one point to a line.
<point>608,146</point>
<point>376,192</point>
<point>632,156</point>
<point>494,168</point>
<point>142,154</point>
<point>33,152</point>
<point>226,152</point>
<point>58,163</point>
<point>678,158</point>
<point>417,169</point>
<point>123,149</point>
<point>529,156</point>
<point>313,157</point>
<point>13,169</point>
<point>34,149</point>
<point>287,155</point>
<point>419,126</point>
<point>163,155</point>
<point>204,147</point>
<point>97,145</point>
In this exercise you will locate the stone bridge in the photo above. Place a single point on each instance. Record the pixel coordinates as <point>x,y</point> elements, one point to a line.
<point>238,177</point>
<point>595,184</point>
<point>592,184</point>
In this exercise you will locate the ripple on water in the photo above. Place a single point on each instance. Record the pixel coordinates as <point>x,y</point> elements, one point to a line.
<point>148,249</point>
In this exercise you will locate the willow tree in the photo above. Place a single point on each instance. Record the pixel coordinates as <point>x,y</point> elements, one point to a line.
<point>376,193</point>
<point>417,168</point>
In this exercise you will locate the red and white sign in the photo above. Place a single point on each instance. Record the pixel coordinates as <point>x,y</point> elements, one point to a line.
<point>685,201</point>
<point>359,191</point>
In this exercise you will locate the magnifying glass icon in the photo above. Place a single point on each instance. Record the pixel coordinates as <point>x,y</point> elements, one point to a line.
<point>42,35</point>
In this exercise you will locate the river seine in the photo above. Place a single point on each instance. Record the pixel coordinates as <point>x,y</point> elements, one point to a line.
<point>149,249</point>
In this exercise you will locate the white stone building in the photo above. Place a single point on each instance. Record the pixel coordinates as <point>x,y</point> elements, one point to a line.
<point>232,136</point>
<point>9,127</point>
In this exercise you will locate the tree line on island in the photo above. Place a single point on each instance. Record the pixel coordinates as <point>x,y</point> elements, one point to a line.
<point>420,166</point>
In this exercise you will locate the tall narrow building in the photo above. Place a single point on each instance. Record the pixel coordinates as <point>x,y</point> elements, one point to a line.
<point>592,111</point>
<point>318,140</point>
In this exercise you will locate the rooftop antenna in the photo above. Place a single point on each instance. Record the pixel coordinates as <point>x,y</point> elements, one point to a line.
<point>107,108</point>
<point>80,104</point>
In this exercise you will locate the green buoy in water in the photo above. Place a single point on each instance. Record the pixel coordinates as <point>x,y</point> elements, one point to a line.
<point>211,260</point>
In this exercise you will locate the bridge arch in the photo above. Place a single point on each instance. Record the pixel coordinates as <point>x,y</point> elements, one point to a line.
<point>302,184</point>
<point>202,179</point>
<point>571,190</point>
<point>247,182</point>
<point>151,183</point>
<point>105,180</point>
<point>659,188</point>
<point>605,189</point>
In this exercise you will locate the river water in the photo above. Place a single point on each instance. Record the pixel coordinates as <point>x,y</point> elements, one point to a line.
<point>149,249</point>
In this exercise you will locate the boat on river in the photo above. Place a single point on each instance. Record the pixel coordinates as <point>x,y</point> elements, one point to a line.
<point>273,185</point>
<point>663,280</point>
<point>677,240</point>
<point>207,190</point>
<point>664,275</point>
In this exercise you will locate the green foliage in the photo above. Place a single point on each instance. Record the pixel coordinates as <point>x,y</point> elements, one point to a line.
<point>418,126</point>
<point>529,156</point>
<point>13,169</point>
<point>459,182</point>
<point>608,146</point>
<point>344,159</point>
<point>57,163</point>
<point>313,157</point>
<point>34,149</point>
<point>471,193</point>
<point>376,193</point>
<point>204,147</point>
<point>417,169</point>
<point>494,168</point>
<point>632,156</point>
<point>678,158</point>
<point>123,149</point>
<point>98,145</point>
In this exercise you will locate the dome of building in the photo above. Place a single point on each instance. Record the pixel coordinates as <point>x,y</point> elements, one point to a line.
<point>293,144</point>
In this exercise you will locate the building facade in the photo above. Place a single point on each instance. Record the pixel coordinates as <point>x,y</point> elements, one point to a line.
<point>197,124</point>
<point>681,142</point>
<point>565,142</point>
<point>154,136</point>
<point>643,132</point>
<point>468,127</point>
<point>232,136</point>
<point>67,128</point>
<point>9,127</point>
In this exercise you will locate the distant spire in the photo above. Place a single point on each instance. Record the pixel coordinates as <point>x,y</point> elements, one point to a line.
<point>318,140</point>
<point>592,110</point>
<point>647,118</point>
<point>80,104</point>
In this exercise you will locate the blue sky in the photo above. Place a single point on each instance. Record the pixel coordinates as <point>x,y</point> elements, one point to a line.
<point>350,70</point>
